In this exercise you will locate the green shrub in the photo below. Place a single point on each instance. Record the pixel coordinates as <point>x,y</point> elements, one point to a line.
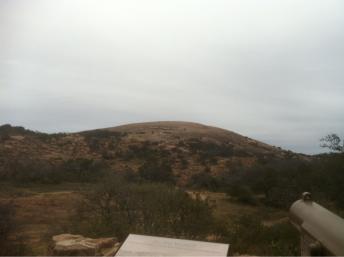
<point>101,139</point>
<point>247,235</point>
<point>26,170</point>
<point>204,180</point>
<point>157,170</point>
<point>116,208</point>
<point>242,194</point>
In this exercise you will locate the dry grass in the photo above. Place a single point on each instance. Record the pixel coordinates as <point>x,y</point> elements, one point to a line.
<point>41,209</point>
<point>37,213</point>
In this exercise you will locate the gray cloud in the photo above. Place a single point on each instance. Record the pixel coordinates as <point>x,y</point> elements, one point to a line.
<point>271,70</point>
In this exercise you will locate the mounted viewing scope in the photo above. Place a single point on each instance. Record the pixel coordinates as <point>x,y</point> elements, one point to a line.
<point>321,231</point>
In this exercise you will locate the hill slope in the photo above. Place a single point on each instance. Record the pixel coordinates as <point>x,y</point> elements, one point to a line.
<point>187,148</point>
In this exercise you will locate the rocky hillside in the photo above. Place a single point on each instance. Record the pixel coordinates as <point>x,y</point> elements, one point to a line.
<point>183,147</point>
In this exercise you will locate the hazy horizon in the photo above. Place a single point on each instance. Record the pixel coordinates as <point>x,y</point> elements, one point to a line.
<point>270,70</point>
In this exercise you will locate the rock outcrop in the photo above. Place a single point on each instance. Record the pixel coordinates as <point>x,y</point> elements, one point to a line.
<point>77,245</point>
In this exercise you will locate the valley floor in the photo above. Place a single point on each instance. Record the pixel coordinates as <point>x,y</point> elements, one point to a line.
<point>44,210</point>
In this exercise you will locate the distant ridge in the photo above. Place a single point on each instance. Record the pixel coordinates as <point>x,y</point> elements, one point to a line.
<point>188,147</point>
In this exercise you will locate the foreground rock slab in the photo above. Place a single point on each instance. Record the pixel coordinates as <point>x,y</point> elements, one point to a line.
<point>77,245</point>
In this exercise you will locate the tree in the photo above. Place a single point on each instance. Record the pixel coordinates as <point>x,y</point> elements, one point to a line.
<point>333,142</point>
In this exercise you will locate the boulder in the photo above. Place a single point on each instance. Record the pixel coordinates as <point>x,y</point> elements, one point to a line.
<point>77,245</point>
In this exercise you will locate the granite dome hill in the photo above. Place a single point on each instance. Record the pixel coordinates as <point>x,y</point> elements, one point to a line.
<point>188,148</point>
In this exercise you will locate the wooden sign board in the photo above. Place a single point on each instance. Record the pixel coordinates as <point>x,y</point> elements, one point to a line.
<point>139,245</point>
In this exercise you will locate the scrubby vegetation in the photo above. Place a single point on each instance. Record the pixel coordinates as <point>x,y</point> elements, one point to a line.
<point>204,180</point>
<point>144,151</point>
<point>10,244</point>
<point>147,197</point>
<point>208,150</point>
<point>280,182</point>
<point>6,224</point>
<point>157,170</point>
<point>7,130</point>
<point>248,235</point>
<point>118,207</point>
<point>25,170</point>
<point>99,140</point>
<point>283,182</point>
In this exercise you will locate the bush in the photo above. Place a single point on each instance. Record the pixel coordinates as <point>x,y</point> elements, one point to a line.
<point>116,208</point>
<point>25,170</point>
<point>147,151</point>
<point>101,139</point>
<point>204,180</point>
<point>7,130</point>
<point>208,150</point>
<point>247,235</point>
<point>157,171</point>
<point>83,170</point>
<point>242,194</point>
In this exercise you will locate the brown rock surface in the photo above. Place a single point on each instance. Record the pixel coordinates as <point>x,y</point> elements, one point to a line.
<point>77,245</point>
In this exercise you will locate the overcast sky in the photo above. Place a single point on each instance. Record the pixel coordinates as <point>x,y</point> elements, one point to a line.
<point>268,69</point>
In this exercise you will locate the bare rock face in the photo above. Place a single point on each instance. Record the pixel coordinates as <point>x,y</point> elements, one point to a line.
<point>77,245</point>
